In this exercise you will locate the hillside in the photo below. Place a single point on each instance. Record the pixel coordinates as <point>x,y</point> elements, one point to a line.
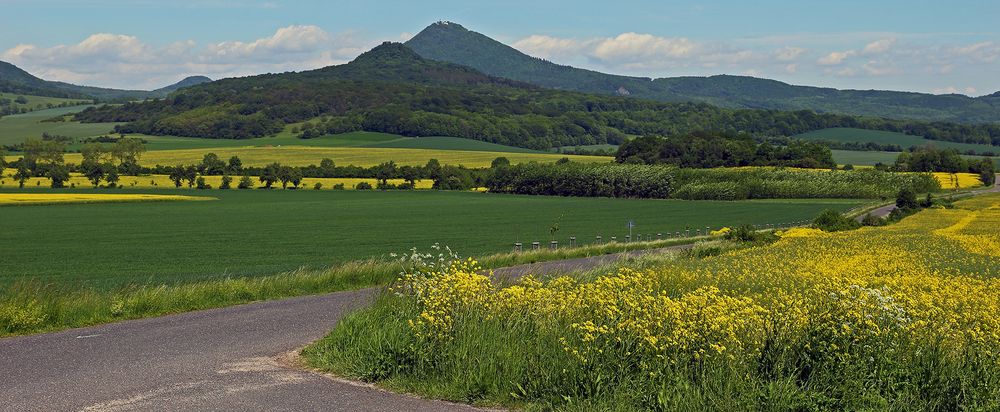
<point>15,80</point>
<point>451,42</point>
<point>392,89</point>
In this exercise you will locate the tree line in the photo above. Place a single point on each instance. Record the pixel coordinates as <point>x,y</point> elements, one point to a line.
<point>707,150</point>
<point>504,114</point>
<point>932,159</point>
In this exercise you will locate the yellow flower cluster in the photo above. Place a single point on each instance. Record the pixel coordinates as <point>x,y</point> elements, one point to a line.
<point>957,180</point>
<point>720,232</point>
<point>931,279</point>
<point>164,182</point>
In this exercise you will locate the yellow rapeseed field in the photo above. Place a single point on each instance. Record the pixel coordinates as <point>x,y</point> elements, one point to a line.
<point>50,198</point>
<point>931,280</point>
<point>164,182</point>
<point>364,157</point>
<point>958,180</point>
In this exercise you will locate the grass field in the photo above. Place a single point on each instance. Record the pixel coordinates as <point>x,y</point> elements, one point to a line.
<point>39,102</point>
<point>358,156</point>
<point>264,232</point>
<point>15,129</point>
<point>863,158</point>
<point>846,135</point>
<point>34,199</point>
<point>896,318</point>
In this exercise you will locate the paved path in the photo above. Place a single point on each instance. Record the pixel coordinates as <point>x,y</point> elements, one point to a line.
<point>885,210</point>
<point>235,358</point>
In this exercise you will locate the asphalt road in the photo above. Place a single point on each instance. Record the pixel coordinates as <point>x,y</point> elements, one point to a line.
<point>885,210</point>
<point>230,359</point>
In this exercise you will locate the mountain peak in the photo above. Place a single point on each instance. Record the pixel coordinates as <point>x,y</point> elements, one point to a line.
<point>388,52</point>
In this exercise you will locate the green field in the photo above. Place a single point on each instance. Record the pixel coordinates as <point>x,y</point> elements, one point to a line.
<point>357,156</point>
<point>15,129</point>
<point>262,232</point>
<point>848,135</point>
<point>353,139</point>
<point>39,102</point>
<point>862,158</point>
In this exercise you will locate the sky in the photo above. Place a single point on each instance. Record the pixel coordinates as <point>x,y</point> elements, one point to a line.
<point>917,45</point>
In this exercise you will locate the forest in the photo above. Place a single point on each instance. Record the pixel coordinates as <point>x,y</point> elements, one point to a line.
<point>391,89</point>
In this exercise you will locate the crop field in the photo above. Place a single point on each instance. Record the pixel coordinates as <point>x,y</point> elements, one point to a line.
<point>353,139</point>
<point>846,135</point>
<point>15,129</point>
<point>856,158</point>
<point>264,232</point>
<point>14,199</point>
<point>900,317</point>
<point>958,180</point>
<point>39,102</point>
<point>304,156</point>
<point>77,180</point>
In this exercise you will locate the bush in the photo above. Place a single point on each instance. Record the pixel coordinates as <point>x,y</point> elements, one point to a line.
<point>227,182</point>
<point>872,220</point>
<point>339,186</point>
<point>363,186</point>
<point>245,183</point>
<point>318,186</point>
<point>748,234</point>
<point>200,183</point>
<point>833,221</point>
<point>385,186</point>
<point>906,199</point>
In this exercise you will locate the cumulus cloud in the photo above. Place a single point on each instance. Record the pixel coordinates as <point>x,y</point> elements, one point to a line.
<point>879,46</point>
<point>117,60</point>
<point>637,53</point>
<point>835,58</point>
<point>635,47</point>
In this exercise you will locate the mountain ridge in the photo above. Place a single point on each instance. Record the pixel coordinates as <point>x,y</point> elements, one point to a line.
<point>451,42</point>
<point>13,79</point>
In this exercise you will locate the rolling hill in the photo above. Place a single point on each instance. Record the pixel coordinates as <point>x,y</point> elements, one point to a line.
<point>453,43</point>
<point>392,89</point>
<point>15,80</point>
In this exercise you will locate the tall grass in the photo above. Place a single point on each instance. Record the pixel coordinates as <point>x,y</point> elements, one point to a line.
<point>33,306</point>
<point>513,363</point>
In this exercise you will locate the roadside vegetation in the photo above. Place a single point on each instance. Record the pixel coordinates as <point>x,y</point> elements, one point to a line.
<point>901,317</point>
<point>33,306</point>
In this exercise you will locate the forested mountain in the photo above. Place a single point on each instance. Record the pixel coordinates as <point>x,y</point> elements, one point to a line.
<point>15,80</point>
<point>186,82</point>
<point>392,89</point>
<point>451,42</point>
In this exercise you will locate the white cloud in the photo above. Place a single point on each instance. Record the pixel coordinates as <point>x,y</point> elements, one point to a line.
<point>835,58</point>
<point>632,47</point>
<point>968,91</point>
<point>548,47</point>
<point>786,54</point>
<point>879,46</point>
<point>116,60</point>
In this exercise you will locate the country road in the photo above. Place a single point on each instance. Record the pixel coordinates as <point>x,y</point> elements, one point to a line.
<point>234,358</point>
<point>885,210</point>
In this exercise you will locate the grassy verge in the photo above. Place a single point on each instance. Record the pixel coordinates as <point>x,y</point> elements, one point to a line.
<point>886,318</point>
<point>31,306</point>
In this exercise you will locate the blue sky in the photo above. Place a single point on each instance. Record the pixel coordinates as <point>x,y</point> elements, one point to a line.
<point>922,46</point>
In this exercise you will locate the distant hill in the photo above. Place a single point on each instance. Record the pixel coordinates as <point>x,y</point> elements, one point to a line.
<point>450,42</point>
<point>15,80</point>
<point>392,89</point>
<point>187,82</point>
